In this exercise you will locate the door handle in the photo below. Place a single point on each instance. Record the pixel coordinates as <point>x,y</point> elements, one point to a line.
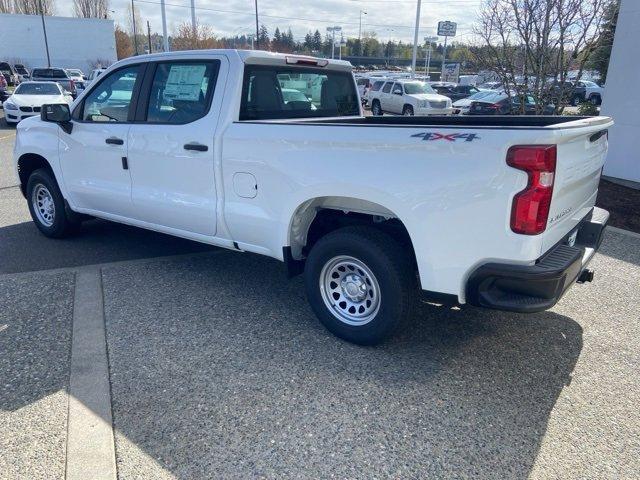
<point>114,141</point>
<point>198,147</point>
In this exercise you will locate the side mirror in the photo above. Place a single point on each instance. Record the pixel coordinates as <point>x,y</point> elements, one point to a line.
<point>397,92</point>
<point>57,113</point>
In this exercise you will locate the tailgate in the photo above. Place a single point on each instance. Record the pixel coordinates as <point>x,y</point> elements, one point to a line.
<point>582,148</point>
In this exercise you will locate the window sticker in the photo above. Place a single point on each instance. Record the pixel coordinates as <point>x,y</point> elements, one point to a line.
<point>185,82</point>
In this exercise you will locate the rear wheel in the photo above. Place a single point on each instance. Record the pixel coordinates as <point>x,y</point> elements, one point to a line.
<point>575,101</point>
<point>595,100</point>
<point>407,111</point>
<point>47,206</point>
<point>360,283</point>
<point>376,109</point>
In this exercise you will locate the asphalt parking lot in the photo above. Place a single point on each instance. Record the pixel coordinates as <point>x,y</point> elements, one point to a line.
<point>218,369</point>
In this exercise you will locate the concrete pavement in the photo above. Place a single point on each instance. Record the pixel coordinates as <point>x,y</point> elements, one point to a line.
<point>218,368</point>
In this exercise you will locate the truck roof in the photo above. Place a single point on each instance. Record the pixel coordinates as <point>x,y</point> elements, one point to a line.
<point>256,57</point>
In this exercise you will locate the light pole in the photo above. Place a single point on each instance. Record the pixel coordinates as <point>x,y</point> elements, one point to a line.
<point>193,19</point>
<point>333,31</point>
<point>44,30</point>
<point>257,28</point>
<point>415,41</point>
<point>427,59</point>
<point>133,23</point>
<point>164,26</point>
<point>360,31</point>
<point>444,56</point>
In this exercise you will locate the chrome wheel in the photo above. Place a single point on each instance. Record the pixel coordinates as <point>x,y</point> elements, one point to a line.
<point>376,109</point>
<point>43,205</point>
<point>350,290</point>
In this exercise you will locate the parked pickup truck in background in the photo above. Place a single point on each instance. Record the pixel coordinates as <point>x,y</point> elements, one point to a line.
<point>492,211</point>
<point>58,75</point>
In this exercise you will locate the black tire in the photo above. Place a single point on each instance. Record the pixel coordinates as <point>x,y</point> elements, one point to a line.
<point>407,110</point>
<point>595,100</point>
<point>376,109</point>
<point>576,100</point>
<point>393,272</point>
<point>61,224</point>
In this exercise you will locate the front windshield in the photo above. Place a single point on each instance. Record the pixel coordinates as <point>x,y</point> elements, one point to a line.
<point>37,89</point>
<point>413,88</point>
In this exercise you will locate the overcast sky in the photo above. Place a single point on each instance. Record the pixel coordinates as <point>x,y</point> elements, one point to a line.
<point>388,18</point>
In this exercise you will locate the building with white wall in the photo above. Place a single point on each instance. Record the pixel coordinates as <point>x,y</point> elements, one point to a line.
<point>622,96</point>
<point>73,42</point>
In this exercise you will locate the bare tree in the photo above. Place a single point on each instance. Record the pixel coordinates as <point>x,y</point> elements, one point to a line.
<point>6,6</point>
<point>532,44</point>
<point>91,8</point>
<point>185,38</point>
<point>32,7</point>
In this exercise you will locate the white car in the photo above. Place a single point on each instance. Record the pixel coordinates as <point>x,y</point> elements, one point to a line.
<point>462,106</point>
<point>496,211</point>
<point>409,97</point>
<point>95,73</point>
<point>28,98</point>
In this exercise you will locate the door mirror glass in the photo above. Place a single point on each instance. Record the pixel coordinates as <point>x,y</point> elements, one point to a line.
<point>397,91</point>
<point>56,113</point>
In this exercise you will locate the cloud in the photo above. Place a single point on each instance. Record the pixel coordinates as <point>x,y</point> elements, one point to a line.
<point>387,18</point>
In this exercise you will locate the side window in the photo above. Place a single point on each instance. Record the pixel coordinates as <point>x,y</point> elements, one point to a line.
<point>387,87</point>
<point>110,101</point>
<point>181,92</point>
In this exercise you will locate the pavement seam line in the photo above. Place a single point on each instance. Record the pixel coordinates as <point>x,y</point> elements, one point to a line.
<point>120,263</point>
<point>90,437</point>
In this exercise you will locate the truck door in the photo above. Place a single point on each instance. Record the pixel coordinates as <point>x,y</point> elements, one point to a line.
<point>385,97</point>
<point>91,156</point>
<point>171,145</point>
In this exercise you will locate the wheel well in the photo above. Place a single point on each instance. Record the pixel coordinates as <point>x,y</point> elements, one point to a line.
<point>316,218</point>
<point>27,164</point>
<point>407,105</point>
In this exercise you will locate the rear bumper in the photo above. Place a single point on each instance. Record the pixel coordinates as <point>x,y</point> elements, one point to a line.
<point>533,288</point>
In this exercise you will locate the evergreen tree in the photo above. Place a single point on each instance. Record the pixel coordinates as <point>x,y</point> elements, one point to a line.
<point>263,38</point>
<point>317,41</point>
<point>277,40</point>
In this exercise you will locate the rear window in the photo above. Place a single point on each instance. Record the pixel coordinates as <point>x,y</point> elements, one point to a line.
<point>376,85</point>
<point>284,92</point>
<point>49,73</point>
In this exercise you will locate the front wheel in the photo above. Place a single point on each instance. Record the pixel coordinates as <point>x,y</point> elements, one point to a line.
<point>47,206</point>
<point>360,283</point>
<point>376,109</point>
<point>407,111</point>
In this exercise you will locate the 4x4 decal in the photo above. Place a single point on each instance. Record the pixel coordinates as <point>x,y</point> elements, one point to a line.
<point>450,137</point>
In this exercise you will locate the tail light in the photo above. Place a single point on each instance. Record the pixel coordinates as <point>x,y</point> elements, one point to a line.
<point>530,209</point>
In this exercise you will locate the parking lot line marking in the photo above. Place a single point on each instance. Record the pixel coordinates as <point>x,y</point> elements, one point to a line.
<point>90,439</point>
<point>7,136</point>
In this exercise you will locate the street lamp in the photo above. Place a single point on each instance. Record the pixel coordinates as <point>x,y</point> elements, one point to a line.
<point>360,31</point>
<point>415,41</point>
<point>333,31</point>
<point>427,60</point>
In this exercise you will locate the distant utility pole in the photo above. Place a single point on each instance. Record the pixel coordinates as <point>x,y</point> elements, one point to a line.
<point>257,28</point>
<point>133,22</point>
<point>164,26</point>
<point>149,36</point>
<point>333,31</point>
<point>415,41</point>
<point>193,17</point>
<point>427,59</point>
<point>360,31</point>
<point>44,30</point>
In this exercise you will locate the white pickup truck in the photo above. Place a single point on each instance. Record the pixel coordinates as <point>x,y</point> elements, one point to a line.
<point>496,212</point>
